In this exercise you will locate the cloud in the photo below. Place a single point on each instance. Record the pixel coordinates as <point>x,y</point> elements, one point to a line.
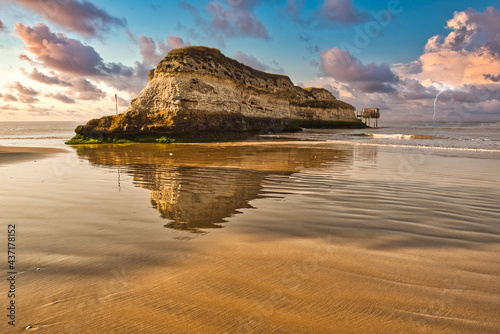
<point>257,64</point>
<point>8,97</point>
<point>82,17</point>
<point>470,29</point>
<point>61,97</point>
<point>25,57</point>
<point>412,89</point>
<point>294,10</point>
<point>310,46</point>
<point>230,19</point>
<point>250,61</point>
<point>132,37</point>
<point>153,52</point>
<point>46,79</point>
<point>413,67</point>
<point>457,68</point>
<point>175,42</point>
<point>328,13</point>
<point>203,27</point>
<point>338,89</point>
<point>65,54</point>
<point>2,27</point>
<point>39,111</point>
<point>344,67</point>
<point>237,20</point>
<point>17,86</point>
<point>28,99</point>
<point>494,78</point>
<point>86,90</point>
<point>8,107</point>
<point>469,54</point>
<point>341,11</point>
<point>78,87</point>
<point>122,102</point>
<point>472,94</point>
<point>192,9</point>
<point>334,90</point>
<point>132,84</point>
<point>71,57</point>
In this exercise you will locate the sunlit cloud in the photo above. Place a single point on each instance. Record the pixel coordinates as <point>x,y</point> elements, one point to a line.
<point>153,52</point>
<point>82,17</point>
<point>468,55</point>
<point>69,56</point>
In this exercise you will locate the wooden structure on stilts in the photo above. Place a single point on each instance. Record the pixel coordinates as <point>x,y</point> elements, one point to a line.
<point>367,114</point>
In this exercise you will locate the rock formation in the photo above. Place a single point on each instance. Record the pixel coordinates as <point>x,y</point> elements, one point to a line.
<point>197,90</point>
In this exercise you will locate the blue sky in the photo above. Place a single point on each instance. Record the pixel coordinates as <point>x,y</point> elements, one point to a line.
<point>65,59</point>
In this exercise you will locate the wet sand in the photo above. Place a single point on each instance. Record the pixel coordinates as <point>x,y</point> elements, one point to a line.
<point>13,154</point>
<point>256,238</point>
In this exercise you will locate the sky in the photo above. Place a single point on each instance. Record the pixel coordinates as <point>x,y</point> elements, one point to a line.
<point>415,60</point>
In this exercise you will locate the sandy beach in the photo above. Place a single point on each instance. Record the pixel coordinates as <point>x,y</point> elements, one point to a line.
<point>260,237</point>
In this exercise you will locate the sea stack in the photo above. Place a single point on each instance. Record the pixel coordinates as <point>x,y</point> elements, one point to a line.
<point>197,92</point>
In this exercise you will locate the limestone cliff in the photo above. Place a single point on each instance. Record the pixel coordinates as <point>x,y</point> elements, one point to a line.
<point>197,90</point>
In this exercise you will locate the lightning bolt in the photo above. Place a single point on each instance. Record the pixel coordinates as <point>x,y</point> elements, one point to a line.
<point>435,101</point>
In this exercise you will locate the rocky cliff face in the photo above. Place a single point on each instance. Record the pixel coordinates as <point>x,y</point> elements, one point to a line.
<point>198,90</point>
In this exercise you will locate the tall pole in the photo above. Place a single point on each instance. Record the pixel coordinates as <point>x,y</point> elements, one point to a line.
<point>116,103</point>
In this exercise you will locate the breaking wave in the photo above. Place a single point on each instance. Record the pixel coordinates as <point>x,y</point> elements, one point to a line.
<point>451,148</point>
<point>398,136</point>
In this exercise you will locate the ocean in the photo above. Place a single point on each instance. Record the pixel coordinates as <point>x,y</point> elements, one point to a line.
<point>484,137</point>
<point>479,137</point>
<point>393,229</point>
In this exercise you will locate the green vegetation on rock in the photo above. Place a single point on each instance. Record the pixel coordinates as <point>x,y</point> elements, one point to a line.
<point>165,140</point>
<point>80,139</point>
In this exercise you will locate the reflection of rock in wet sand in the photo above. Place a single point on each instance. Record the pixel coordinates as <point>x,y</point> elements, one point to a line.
<point>198,186</point>
<point>196,198</point>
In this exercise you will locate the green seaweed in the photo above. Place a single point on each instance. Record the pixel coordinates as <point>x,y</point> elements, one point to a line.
<point>165,140</point>
<point>81,139</point>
